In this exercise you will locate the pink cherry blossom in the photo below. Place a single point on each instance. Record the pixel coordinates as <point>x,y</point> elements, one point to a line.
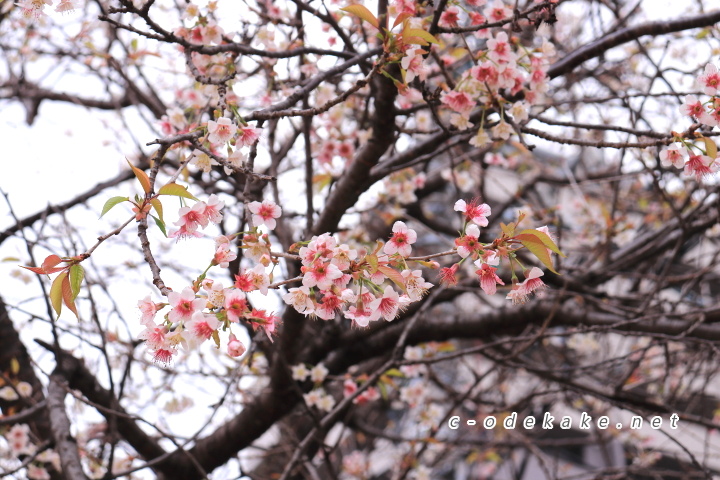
<point>448,275</point>
<point>413,64</point>
<point>300,300</point>
<point>254,279</point>
<point>221,131</point>
<point>476,213</point>
<point>184,305</point>
<point>401,240</point>
<point>692,107</point>
<point>488,278</point>
<point>532,281</point>
<point>192,217</point>
<point>700,166</point>
<point>267,321</point>
<point>460,102</point>
<point>320,274</point>
<point>235,304</point>
<point>362,314</point>
<point>223,256</point>
<point>201,325</point>
<point>710,80</point>
<point>673,155</point>
<point>235,347</point>
<point>449,17</point>
<point>247,136</point>
<point>265,213</point>
<point>469,244</point>
<point>497,12</point>
<point>387,305</point>
<point>148,310</point>
<point>213,207</point>
<point>499,50</point>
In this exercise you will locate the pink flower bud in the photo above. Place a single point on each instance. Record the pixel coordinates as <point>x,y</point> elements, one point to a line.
<point>235,347</point>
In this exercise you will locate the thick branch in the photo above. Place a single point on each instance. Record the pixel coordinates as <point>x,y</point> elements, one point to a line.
<point>598,47</point>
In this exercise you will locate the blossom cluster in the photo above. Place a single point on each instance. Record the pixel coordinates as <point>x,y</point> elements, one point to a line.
<point>361,284</point>
<point>700,161</point>
<point>502,66</point>
<point>20,441</point>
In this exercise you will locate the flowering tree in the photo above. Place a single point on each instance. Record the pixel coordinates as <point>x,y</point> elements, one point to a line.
<point>352,224</point>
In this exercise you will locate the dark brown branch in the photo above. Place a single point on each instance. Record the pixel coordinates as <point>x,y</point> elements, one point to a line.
<point>598,47</point>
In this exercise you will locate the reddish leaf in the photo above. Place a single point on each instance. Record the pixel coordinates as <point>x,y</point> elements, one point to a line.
<point>67,295</point>
<point>393,275</point>
<point>141,176</point>
<point>545,239</point>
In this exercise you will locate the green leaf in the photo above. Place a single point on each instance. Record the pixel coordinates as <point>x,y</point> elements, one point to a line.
<point>508,230</point>
<point>141,176</point>
<point>710,148</point>
<point>545,239</point>
<point>56,294</point>
<point>362,12</point>
<point>77,274</point>
<point>537,247</point>
<point>160,224</point>
<point>372,260</point>
<point>10,259</point>
<point>416,33</point>
<point>111,203</point>
<point>177,190</point>
<point>394,372</point>
<point>157,205</point>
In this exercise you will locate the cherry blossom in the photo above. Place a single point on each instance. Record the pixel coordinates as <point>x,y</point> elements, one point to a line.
<point>184,305</point>
<point>448,275</point>
<point>320,274</point>
<point>201,325</point>
<point>488,277</point>
<point>253,279</point>
<point>300,372</point>
<point>673,155</point>
<point>192,217</point>
<point>700,166</point>
<point>460,102</point>
<point>413,65</point>
<point>148,310</point>
<point>692,106</point>
<point>387,305</point>
<point>468,244</point>
<point>235,305</point>
<point>221,131</point>
<point>710,80</point>
<point>299,299</point>
<point>265,213</point>
<point>401,240</point>
<point>247,136</point>
<point>476,213</point>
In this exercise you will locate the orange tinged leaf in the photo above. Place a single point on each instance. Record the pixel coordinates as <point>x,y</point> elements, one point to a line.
<point>56,292</point>
<point>157,205</point>
<point>67,295</point>
<point>418,33</point>
<point>545,239</point>
<point>710,148</point>
<point>537,248</point>
<point>362,12</point>
<point>48,266</point>
<point>393,275</point>
<point>141,176</point>
<point>400,19</point>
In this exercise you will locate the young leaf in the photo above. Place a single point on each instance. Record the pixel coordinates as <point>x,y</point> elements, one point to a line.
<point>710,148</point>
<point>537,247</point>
<point>393,275</point>
<point>545,239</point>
<point>157,205</point>
<point>56,294</point>
<point>160,224</point>
<point>362,12</point>
<point>67,296</point>
<point>141,176</point>
<point>401,18</point>
<point>177,190</point>
<point>48,266</point>
<point>426,37</point>
<point>111,203</point>
<point>77,274</point>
